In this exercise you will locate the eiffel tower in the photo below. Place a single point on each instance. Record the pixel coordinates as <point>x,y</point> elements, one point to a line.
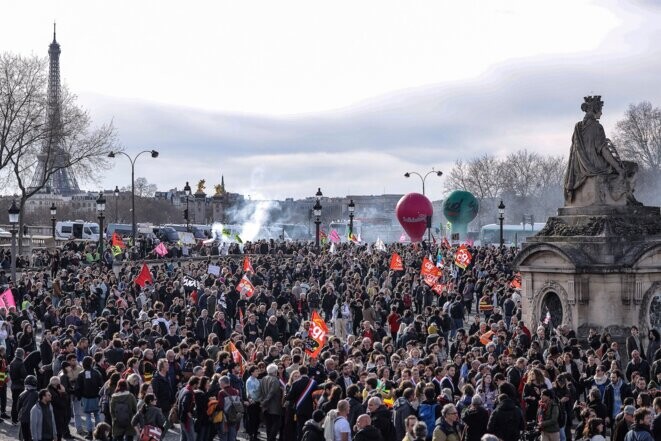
<point>53,156</point>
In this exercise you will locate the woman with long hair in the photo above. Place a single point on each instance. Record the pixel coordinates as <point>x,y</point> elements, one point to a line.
<point>532,392</point>
<point>594,430</point>
<point>488,391</point>
<point>288,431</point>
<point>203,424</point>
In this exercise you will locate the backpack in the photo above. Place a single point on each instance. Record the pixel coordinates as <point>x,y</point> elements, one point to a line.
<point>233,408</point>
<point>122,414</point>
<point>427,414</point>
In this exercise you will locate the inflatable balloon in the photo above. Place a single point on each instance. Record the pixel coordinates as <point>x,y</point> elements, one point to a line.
<point>412,211</point>
<point>460,208</point>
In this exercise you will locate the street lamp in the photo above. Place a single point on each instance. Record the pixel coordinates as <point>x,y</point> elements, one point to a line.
<point>116,201</point>
<point>352,208</point>
<point>101,207</point>
<point>501,218</point>
<point>14,213</point>
<point>154,154</point>
<point>186,216</point>
<point>423,178</point>
<point>316,210</point>
<point>53,212</point>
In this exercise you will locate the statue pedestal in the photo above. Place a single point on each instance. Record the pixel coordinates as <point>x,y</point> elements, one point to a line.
<point>595,267</point>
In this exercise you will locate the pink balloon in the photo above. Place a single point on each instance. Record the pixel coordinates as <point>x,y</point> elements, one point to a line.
<point>412,211</point>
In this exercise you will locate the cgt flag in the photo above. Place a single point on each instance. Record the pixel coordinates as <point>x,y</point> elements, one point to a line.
<point>429,269</point>
<point>317,335</point>
<point>462,257</point>
<point>236,355</point>
<point>396,263</point>
<point>144,276</point>
<point>247,265</point>
<point>245,287</point>
<point>117,241</point>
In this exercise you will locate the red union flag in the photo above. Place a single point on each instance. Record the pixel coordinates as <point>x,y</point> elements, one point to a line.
<point>429,269</point>
<point>247,266</point>
<point>245,287</point>
<point>317,335</point>
<point>431,280</point>
<point>396,263</point>
<point>438,288</point>
<point>463,257</point>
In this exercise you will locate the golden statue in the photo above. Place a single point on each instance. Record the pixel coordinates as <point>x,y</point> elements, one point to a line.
<point>200,186</point>
<point>219,190</point>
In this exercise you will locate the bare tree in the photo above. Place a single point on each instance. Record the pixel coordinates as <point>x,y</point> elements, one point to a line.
<point>143,188</point>
<point>638,135</point>
<point>71,144</point>
<point>23,84</point>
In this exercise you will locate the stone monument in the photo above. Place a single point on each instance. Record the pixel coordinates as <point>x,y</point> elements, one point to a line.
<point>597,264</point>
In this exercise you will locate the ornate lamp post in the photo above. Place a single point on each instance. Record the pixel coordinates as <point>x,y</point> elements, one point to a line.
<point>501,218</point>
<point>186,216</point>
<point>53,212</point>
<point>101,207</point>
<point>352,208</point>
<point>116,201</point>
<point>423,179</point>
<point>316,210</point>
<point>154,154</point>
<point>14,214</point>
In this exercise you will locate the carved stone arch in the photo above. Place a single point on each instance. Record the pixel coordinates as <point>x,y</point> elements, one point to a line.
<point>538,299</point>
<point>644,313</point>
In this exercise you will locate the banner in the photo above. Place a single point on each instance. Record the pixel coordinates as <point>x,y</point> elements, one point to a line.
<point>161,249</point>
<point>186,238</point>
<point>429,269</point>
<point>334,236</point>
<point>117,241</point>
<point>247,265</point>
<point>189,282</point>
<point>317,335</point>
<point>7,299</point>
<point>245,287</point>
<point>213,269</point>
<point>396,263</point>
<point>430,280</point>
<point>463,257</point>
<point>143,277</point>
<point>438,288</point>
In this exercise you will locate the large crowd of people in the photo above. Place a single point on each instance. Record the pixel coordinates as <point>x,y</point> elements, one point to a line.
<point>88,350</point>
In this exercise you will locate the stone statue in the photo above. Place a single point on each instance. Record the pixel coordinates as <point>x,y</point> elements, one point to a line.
<point>219,190</point>
<point>595,173</point>
<point>200,186</point>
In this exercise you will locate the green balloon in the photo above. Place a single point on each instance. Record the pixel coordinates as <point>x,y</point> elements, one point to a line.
<point>460,207</point>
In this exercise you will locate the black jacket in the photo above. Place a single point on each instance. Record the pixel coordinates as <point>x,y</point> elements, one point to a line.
<point>297,389</point>
<point>312,432</point>
<point>476,419</point>
<point>609,396</point>
<point>369,433</point>
<point>506,421</point>
<point>17,374</point>
<point>382,420</point>
<point>163,392</point>
<point>89,384</point>
<point>26,400</point>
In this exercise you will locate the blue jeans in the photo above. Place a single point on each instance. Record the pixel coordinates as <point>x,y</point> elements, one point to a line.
<point>187,432</point>
<point>563,434</point>
<point>456,324</point>
<point>227,432</point>
<point>77,414</point>
<point>91,405</point>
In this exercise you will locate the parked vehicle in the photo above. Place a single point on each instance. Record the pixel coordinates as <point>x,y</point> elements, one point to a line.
<point>77,230</point>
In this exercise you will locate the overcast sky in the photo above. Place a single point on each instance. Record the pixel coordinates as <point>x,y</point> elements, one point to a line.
<point>283,97</point>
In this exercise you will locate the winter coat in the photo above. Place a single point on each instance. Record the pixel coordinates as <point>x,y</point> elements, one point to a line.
<point>506,421</point>
<point>26,400</point>
<point>148,416</point>
<point>37,421</point>
<point>550,414</point>
<point>639,433</point>
<point>271,392</point>
<point>476,419</point>
<point>312,432</point>
<point>382,420</point>
<point>118,428</point>
<point>401,410</point>
<point>369,433</point>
